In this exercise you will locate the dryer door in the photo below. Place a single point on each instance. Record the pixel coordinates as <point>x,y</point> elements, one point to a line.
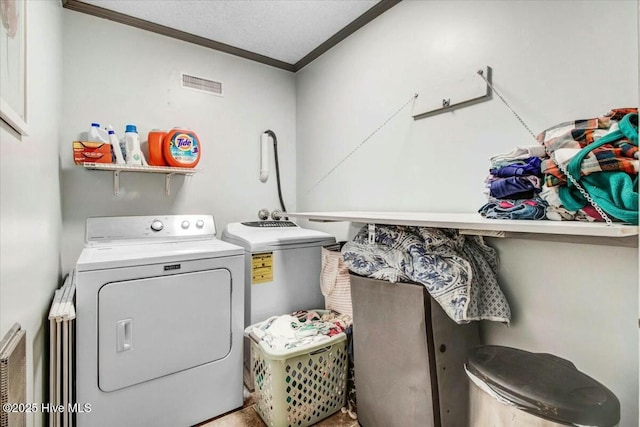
<point>152,327</point>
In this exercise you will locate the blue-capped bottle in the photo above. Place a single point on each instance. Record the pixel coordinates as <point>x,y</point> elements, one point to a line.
<point>132,146</point>
<point>96,134</point>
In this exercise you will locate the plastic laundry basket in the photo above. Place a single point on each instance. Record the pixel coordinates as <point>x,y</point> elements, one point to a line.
<point>301,386</point>
<point>516,388</point>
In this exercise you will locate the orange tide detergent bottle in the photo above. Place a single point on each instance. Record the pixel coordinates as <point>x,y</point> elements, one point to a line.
<point>181,148</point>
<point>155,140</point>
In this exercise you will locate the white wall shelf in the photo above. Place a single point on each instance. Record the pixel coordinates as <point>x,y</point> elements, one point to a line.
<point>117,169</point>
<point>473,223</point>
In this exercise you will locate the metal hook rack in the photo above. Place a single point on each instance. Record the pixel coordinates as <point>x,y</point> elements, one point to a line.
<point>454,94</point>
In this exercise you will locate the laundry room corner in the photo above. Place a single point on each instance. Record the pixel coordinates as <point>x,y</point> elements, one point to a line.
<point>114,75</point>
<point>319,213</point>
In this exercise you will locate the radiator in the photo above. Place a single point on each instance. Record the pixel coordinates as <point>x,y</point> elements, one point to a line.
<point>13,377</point>
<point>61,351</point>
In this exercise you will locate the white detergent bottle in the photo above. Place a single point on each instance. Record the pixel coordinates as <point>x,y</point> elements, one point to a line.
<point>96,134</point>
<point>132,145</point>
<point>115,146</point>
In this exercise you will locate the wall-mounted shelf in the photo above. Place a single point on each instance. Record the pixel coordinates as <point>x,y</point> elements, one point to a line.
<point>473,223</point>
<point>116,169</point>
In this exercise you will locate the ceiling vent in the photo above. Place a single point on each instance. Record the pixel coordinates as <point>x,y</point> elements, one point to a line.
<point>203,85</point>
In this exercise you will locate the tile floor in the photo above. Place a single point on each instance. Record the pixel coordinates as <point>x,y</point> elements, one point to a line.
<point>248,417</point>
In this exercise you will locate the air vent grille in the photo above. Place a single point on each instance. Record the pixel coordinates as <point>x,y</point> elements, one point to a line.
<point>13,376</point>
<point>204,85</point>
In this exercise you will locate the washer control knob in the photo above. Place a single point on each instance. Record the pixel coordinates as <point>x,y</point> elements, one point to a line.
<point>276,215</point>
<point>263,214</point>
<point>200,223</point>
<point>185,224</point>
<point>157,225</point>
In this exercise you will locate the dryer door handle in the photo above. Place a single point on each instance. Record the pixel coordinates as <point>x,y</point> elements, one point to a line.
<point>124,335</point>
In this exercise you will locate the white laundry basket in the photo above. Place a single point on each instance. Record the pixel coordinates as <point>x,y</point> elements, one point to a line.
<point>301,386</point>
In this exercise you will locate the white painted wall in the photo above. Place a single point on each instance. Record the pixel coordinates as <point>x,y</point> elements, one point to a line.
<point>118,74</point>
<point>30,218</point>
<point>553,61</point>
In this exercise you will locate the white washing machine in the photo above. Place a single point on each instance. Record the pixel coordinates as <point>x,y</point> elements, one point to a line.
<point>282,267</point>
<point>160,317</point>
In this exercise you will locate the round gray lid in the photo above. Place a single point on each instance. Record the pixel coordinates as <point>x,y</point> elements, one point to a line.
<point>545,385</point>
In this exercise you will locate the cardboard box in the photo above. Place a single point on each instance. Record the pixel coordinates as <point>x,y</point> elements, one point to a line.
<point>91,152</point>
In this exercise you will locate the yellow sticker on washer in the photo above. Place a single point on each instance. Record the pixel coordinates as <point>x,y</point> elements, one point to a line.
<point>261,268</point>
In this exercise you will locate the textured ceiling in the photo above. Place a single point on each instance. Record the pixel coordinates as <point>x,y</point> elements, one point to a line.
<point>286,30</point>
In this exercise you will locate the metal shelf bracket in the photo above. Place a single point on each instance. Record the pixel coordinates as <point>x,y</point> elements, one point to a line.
<point>454,93</point>
<point>116,182</point>
<point>167,184</point>
<point>167,171</point>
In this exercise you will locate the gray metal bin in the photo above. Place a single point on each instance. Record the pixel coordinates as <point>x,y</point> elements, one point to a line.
<point>516,388</point>
<point>409,357</point>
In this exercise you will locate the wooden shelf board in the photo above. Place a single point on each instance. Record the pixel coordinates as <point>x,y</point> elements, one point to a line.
<point>147,169</point>
<point>474,221</point>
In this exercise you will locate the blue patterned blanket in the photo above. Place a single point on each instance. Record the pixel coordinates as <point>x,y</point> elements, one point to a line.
<point>458,271</point>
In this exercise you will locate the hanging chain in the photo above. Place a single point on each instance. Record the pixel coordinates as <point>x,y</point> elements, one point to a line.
<point>325,176</point>
<point>546,149</point>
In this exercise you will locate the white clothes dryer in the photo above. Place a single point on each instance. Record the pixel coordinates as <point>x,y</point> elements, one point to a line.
<point>160,317</point>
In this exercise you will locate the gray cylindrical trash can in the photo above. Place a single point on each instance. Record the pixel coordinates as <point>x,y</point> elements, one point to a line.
<point>512,387</point>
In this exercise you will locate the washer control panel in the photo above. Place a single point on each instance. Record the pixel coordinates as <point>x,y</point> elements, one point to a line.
<point>269,224</point>
<point>145,228</point>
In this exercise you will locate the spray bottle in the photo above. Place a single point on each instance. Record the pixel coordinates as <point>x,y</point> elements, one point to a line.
<point>115,146</point>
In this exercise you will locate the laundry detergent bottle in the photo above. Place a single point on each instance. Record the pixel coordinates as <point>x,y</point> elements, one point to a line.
<point>181,148</point>
<point>115,146</point>
<point>96,134</point>
<point>156,147</point>
<point>132,146</point>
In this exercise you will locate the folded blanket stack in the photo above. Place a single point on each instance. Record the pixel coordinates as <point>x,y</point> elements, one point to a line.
<point>514,184</point>
<point>602,155</point>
